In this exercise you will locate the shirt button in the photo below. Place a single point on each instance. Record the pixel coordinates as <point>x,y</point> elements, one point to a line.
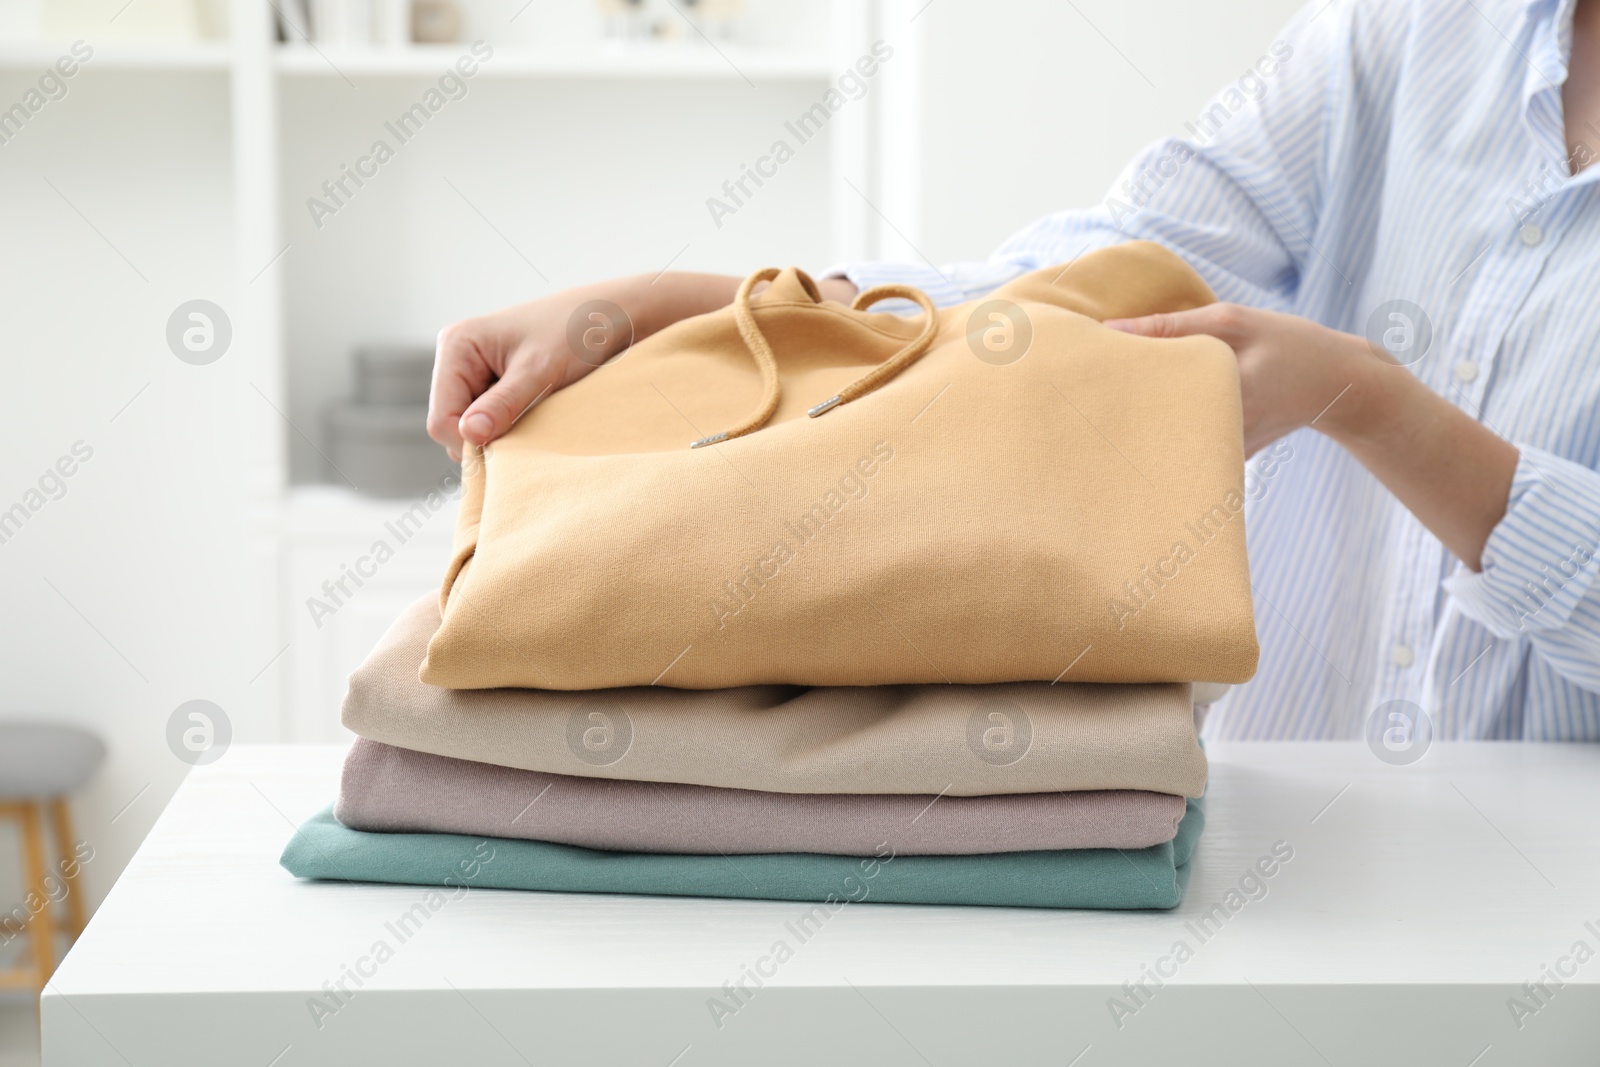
<point>1402,656</point>
<point>1531,234</point>
<point>1466,370</point>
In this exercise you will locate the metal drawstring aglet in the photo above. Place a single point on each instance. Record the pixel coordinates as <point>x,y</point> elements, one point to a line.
<point>712,440</point>
<point>825,406</point>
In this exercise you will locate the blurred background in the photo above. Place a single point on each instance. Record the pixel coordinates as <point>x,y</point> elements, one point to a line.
<point>218,295</point>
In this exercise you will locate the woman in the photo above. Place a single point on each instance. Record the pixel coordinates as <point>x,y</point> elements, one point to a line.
<point>1403,229</point>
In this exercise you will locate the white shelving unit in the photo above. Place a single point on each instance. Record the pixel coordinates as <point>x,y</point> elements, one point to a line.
<point>121,55</point>
<point>303,295</point>
<point>632,62</point>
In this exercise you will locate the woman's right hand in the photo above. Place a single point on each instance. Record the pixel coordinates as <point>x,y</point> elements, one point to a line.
<point>488,371</point>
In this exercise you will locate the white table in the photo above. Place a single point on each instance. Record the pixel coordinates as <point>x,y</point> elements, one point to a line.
<point>1418,901</point>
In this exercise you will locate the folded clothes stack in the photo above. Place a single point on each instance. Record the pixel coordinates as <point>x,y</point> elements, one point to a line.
<point>578,718</point>
<point>1077,798</point>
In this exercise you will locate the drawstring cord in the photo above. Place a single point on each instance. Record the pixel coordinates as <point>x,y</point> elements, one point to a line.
<point>757,345</point>
<point>771,391</point>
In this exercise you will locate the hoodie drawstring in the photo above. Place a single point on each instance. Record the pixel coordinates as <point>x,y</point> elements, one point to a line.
<point>771,391</point>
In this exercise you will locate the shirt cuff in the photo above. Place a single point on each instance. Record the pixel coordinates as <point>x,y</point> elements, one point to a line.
<point>1543,557</point>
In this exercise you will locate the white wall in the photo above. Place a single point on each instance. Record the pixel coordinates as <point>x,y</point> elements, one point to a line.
<point>1027,107</point>
<point>1030,108</point>
<point>147,547</point>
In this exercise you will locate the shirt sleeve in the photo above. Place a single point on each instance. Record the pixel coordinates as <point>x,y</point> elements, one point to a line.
<point>1238,198</point>
<point>1540,566</point>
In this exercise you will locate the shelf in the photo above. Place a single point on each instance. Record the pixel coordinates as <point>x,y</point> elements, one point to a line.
<point>120,55</point>
<point>726,62</point>
<point>637,61</point>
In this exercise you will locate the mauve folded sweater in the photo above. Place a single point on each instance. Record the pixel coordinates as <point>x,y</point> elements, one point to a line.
<point>394,790</point>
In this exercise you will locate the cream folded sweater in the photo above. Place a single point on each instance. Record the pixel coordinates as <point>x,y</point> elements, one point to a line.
<point>958,740</point>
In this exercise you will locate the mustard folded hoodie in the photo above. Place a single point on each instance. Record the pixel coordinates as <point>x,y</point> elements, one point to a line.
<point>1012,492</point>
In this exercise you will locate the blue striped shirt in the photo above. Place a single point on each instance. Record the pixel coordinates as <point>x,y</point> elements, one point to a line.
<point>1394,151</point>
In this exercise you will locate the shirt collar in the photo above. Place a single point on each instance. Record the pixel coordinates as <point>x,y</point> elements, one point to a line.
<point>1544,41</point>
<point>1547,31</point>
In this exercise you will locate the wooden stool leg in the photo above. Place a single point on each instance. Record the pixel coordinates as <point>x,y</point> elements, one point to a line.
<point>69,867</point>
<point>8,924</point>
<point>41,923</point>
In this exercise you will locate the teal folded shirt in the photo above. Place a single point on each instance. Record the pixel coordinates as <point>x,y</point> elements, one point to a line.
<point>1152,877</point>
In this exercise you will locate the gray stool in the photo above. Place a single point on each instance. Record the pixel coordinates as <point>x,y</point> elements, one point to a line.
<point>40,764</point>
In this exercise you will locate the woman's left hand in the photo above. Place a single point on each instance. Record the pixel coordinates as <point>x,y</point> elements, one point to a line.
<point>1450,470</point>
<point>1292,371</point>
